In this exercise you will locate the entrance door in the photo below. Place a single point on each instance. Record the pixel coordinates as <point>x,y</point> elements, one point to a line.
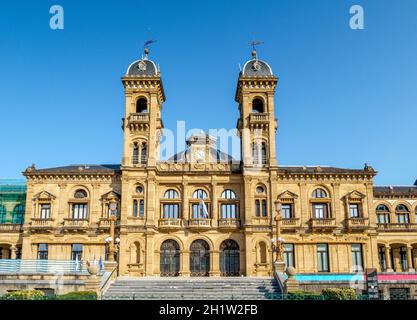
<point>170,259</point>
<point>229,258</point>
<point>199,259</point>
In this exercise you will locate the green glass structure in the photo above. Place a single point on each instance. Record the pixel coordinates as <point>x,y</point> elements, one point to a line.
<point>12,201</point>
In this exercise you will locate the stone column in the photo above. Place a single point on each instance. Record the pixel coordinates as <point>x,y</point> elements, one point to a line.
<point>214,206</point>
<point>13,252</point>
<point>410,259</point>
<point>185,263</point>
<point>214,263</point>
<point>388,258</point>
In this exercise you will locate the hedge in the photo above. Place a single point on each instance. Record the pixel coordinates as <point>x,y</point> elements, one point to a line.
<point>340,294</point>
<point>24,295</point>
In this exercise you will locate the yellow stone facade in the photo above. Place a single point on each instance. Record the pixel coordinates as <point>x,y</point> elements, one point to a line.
<point>156,199</point>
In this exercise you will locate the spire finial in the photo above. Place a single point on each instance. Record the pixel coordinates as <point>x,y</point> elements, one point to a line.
<point>253,44</point>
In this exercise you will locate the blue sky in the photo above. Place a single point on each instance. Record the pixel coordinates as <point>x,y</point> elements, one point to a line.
<point>344,97</point>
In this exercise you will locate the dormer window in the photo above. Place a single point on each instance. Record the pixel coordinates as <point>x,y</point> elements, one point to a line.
<point>141,105</point>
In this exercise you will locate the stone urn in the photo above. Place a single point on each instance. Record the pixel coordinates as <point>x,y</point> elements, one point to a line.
<point>291,272</point>
<point>93,270</point>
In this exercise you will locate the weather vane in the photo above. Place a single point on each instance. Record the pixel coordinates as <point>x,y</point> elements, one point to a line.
<point>146,46</point>
<point>255,43</point>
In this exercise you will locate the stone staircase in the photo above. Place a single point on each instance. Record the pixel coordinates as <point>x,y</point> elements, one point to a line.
<point>213,288</point>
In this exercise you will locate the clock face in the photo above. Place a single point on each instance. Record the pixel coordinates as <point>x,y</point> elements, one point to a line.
<point>199,154</point>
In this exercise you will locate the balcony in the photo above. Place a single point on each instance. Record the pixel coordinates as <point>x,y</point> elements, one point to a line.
<point>258,118</point>
<point>41,224</point>
<point>138,121</point>
<point>357,223</point>
<point>397,227</point>
<point>229,224</point>
<point>75,224</point>
<point>10,228</point>
<point>199,224</point>
<point>170,224</point>
<point>323,224</point>
<point>290,224</point>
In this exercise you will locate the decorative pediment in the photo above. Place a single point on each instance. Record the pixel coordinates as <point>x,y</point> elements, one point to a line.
<point>44,195</point>
<point>355,195</point>
<point>111,195</point>
<point>287,195</point>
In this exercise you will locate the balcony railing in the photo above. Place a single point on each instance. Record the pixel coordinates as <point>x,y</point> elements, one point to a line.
<point>10,227</point>
<point>8,266</point>
<point>229,223</point>
<point>38,223</point>
<point>289,223</point>
<point>397,227</point>
<point>325,223</point>
<point>258,118</point>
<point>138,121</point>
<point>357,223</point>
<point>199,223</point>
<point>76,223</point>
<point>170,223</point>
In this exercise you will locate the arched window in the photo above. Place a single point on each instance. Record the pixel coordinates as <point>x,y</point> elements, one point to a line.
<point>170,258</point>
<point>171,194</point>
<point>262,252</point>
<point>260,202</point>
<point>229,258</point>
<point>3,214</point>
<point>80,194</point>
<point>139,189</point>
<point>255,155</point>
<point>135,154</point>
<point>79,210</point>
<point>229,207</point>
<point>260,189</point>
<point>200,206</point>
<point>319,193</point>
<point>18,214</point>
<point>200,194</point>
<point>141,105</point>
<point>228,194</point>
<point>171,209</point>
<point>257,106</point>
<point>143,152</point>
<point>382,214</point>
<point>320,204</point>
<point>135,253</point>
<point>402,213</point>
<point>199,258</point>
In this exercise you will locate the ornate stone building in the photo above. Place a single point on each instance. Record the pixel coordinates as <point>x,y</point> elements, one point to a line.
<point>203,213</point>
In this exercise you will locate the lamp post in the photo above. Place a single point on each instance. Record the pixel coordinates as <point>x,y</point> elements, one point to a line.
<point>112,244</point>
<point>278,242</point>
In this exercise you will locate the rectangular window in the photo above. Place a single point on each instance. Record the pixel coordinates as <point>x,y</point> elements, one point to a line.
<point>141,208</point>
<point>171,211</point>
<point>383,218</point>
<point>287,211</point>
<point>135,208</point>
<point>357,259</point>
<point>382,258</point>
<point>263,208</point>
<point>354,210</point>
<point>255,153</point>
<point>229,211</point>
<point>79,211</point>
<point>403,259</point>
<point>76,251</point>
<point>289,255</point>
<point>320,210</point>
<point>42,251</point>
<point>257,208</point>
<point>323,258</point>
<point>45,211</point>
<point>402,218</point>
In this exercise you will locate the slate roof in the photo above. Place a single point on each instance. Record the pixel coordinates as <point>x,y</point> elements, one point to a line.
<point>321,169</point>
<point>395,190</point>
<point>79,168</point>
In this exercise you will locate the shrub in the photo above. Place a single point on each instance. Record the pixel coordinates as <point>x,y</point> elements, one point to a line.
<point>24,295</point>
<point>339,294</point>
<point>78,295</point>
<point>303,295</point>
